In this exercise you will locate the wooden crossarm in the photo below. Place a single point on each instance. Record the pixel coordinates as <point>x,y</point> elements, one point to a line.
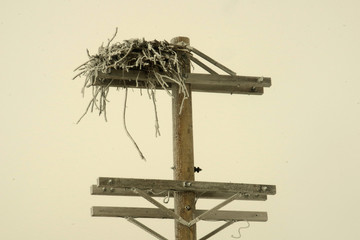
<point>100,211</point>
<point>196,186</point>
<point>200,82</point>
<point>114,191</point>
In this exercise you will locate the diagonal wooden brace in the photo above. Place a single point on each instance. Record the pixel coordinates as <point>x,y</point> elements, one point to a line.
<point>160,206</point>
<point>209,59</point>
<point>198,62</point>
<point>145,228</point>
<point>222,227</point>
<point>217,207</point>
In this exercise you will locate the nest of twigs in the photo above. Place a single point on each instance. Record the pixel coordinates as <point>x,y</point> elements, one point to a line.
<point>162,61</point>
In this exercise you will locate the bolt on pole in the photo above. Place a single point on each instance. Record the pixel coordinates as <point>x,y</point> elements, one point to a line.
<point>183,154</point>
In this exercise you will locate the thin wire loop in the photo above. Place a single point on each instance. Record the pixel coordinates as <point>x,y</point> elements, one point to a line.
<point>167,198</point>
<point>248,225</point>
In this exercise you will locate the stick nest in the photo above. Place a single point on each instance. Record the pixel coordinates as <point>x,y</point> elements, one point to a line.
<point>163,63</point>
<point>159,59</point>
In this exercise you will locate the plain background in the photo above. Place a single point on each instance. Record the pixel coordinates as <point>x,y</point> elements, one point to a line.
<point>302,135</point>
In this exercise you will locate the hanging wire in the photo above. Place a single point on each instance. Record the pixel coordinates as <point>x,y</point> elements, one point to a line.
<point>166,198</point>
<point>248,225</point>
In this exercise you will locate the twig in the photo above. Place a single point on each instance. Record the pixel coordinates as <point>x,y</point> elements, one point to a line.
<point>112,37</point>
<point>126,130</point>
<point>157,126</point>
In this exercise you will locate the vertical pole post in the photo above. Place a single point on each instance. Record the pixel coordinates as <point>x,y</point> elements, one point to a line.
<point>183,151</point>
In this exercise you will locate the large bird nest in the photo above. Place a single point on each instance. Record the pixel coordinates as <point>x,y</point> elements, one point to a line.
<point>161,60</point>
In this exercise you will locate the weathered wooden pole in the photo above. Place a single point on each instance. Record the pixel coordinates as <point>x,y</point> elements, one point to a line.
<point>183,149</point>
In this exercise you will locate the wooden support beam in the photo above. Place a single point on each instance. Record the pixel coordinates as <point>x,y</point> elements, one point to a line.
<point>214,209</point>
<point>202,65</point>
<point>179,185</point>
<point>145,228</point>
<point>114,191</point>
<point>214,83</point>
<point>222,227</point>
<point>209,59</point>
<point>183,152</point>
<point>251,216</point>
<point>162,208</point>
<point>225,80</point>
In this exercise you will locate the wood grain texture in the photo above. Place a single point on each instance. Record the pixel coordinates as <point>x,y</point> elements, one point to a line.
<point>185,185</point>
<point>114,191</point>
<point>212,83</point>
<point>183,153</point>
<point>254,216</point>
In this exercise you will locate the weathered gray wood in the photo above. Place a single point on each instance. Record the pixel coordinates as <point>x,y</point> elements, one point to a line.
<point>251,216</point>
<point>146,229</point>
<point>178,185</point>
<point>225,80</point>
<point>228,89</point>
<point>209,59</point>
<point>183,152</point>
<point>161,207</point>
<point>222,227</point>
<point>214,209</point>
<point>192,78</point>
<point>202,65</point>
<point>114,191</point>
<point>199,81</point>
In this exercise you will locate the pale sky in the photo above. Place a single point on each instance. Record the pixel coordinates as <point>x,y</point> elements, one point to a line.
<point>302,135</point>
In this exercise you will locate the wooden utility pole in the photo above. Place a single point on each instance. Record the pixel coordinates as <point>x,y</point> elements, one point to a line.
<point>183,188</point>
<point>183,150</point>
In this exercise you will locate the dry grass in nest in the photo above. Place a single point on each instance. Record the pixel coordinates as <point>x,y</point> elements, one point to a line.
<point>160,60</point>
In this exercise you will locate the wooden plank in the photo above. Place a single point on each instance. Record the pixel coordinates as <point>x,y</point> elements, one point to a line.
<point>162,208</point>
<point>113,191</point>
<point>239,89</point>
<point>212,233</point>
<point>146,229</point>
<point>209,59</point>
<point>199,82</point>
<point>192,78</point>
<point>178,185</point>
<point>100,211</point>
<point>225,80</point>
<point>202,65</point>
<point>228,89</point>
<point>214,209</point>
